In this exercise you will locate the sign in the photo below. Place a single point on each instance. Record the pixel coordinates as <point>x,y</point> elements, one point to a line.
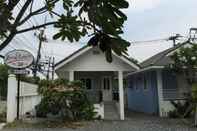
<point>21,72</point>
<point>18,59</point>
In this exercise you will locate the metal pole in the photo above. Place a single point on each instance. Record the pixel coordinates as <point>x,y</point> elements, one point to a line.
<point>38,53</point>
<point>53,68</point>
<point>18,96</point>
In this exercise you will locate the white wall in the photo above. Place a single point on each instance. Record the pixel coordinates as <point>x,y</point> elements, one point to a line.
<point>29,98</point>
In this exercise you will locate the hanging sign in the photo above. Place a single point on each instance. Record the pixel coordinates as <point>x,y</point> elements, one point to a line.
<point>18,59</point>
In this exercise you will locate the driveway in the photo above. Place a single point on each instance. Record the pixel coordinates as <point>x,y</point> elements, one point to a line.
<point>135,122</point>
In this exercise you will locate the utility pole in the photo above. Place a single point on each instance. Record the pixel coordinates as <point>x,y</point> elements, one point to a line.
<point>48,70</point>
<point>174,38</point>
<point>41,39</point>
<point>193,34</point>
<point>53,68</point>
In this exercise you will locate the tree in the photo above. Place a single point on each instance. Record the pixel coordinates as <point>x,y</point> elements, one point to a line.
<point>185,61</point>
<point>103,19</point>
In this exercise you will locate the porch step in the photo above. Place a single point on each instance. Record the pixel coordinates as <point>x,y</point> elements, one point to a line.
<point>110,111</point>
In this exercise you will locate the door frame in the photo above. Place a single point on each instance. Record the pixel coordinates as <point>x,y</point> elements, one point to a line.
<point>110,87</point>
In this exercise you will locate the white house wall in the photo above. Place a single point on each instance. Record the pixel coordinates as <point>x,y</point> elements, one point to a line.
<point>95,62</point>
<point>96,77</point>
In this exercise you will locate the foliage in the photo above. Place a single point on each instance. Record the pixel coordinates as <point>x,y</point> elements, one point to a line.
<point>185,60</point>
<point>3,80</point>
<point>32,80</point>
<point>3,117</point>
<point>102,19</point>
<point>69,100</point>
<point>181,110</point>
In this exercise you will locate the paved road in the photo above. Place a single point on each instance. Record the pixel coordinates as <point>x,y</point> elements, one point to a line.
<point>133,123</point>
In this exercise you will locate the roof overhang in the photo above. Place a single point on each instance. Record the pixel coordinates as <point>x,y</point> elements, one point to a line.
<point>144,70</point>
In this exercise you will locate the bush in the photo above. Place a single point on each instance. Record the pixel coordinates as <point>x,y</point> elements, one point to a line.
<point>3,117</point>
<point>182,110</point>
<point>68,100</point>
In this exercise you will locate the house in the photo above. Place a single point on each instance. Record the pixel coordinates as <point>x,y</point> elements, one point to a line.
<point>99,77</point>
<point>151,88</point>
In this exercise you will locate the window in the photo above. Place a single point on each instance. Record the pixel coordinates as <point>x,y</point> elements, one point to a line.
<point>106,83</point>
<point>86,83</point>
<point>145,82</point>
<point>138,83</point>
<point>131,83</point>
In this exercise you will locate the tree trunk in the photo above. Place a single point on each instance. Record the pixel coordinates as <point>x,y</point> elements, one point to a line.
<point>7,41</point>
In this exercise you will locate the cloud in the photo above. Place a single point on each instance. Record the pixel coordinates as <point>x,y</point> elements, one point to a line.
<point>142,5</point>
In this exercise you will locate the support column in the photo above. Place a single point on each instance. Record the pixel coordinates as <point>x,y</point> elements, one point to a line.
<point>71,75</point>
<point>11,98</point>
<point>160,91</point>
<point>121,94</point>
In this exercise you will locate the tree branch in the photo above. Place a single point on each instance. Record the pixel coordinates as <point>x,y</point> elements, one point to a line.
<point>36,27</point>
<point>39,11</point>
<point>43,9</point>
<point>21,13</point>
<point>12,4</point>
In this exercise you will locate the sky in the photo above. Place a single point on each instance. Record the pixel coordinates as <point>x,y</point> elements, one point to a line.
<point>147,20</point>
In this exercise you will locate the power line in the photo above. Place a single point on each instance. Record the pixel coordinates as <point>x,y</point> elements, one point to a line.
<point>19,41</point>
<point>156,40</point>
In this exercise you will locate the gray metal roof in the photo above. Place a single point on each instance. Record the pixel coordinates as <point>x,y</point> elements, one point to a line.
<point>161,59</point>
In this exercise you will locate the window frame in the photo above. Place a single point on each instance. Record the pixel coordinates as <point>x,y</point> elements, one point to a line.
<point>85,85</point>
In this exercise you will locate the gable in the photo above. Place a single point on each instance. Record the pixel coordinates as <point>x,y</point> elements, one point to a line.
<point>93,59</point>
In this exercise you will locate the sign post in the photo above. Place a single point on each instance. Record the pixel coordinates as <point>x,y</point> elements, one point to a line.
<point>18,61</point>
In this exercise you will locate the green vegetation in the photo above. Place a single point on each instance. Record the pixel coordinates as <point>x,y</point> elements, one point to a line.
<point>103,20</point>
<point>3,81</point>
<point>68,98</point>
<point>3,117</point>
<point>185,61</point>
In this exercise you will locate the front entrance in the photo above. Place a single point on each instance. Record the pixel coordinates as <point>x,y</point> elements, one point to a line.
<point>107,88</point>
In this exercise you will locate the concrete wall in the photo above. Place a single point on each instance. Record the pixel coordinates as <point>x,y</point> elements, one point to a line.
<point>139,98</point>
<point>29,98</point>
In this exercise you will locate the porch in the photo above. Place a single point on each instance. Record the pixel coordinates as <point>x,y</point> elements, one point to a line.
<point>104,90</point>
<point>89,65</point>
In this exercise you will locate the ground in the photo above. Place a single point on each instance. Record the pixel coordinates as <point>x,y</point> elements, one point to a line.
<point>135,122</point>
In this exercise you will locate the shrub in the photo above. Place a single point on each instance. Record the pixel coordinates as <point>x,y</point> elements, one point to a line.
<point>182,110</point>
<point>66,99</point>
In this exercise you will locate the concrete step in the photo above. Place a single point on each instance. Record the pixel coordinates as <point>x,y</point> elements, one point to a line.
<point>110,111</point>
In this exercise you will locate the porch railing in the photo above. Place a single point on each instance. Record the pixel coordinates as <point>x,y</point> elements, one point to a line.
<point>173,94</point>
